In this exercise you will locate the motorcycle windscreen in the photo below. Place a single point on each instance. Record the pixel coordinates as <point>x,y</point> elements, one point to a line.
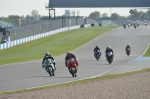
<point>109,54</point>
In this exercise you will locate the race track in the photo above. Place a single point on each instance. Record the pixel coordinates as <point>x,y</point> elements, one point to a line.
<point>31,74</point>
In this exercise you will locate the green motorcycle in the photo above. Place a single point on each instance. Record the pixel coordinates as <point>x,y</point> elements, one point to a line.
<point>49,66</point>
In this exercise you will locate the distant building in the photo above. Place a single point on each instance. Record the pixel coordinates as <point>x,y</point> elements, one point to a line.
<point>67,13</point>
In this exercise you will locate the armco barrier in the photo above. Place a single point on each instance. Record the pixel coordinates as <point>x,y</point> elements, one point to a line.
<point>84,25</point>
<point>27,39</point>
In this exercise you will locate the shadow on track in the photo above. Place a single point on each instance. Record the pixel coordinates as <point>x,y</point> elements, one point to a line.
<point>36,76</point>
<point>63,77</point>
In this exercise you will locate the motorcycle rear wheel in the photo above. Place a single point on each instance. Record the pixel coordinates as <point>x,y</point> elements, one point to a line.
<point>50,71</point>
<point>97,59</point>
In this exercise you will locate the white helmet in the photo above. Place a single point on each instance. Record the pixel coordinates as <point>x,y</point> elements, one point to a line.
<point>47,53</point>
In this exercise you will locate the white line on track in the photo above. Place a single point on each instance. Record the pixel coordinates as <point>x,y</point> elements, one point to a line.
<point>62,54</point>
<point>100,73</point>
<point>92,76</point>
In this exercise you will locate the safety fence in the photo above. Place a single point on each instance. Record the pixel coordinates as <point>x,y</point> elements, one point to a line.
<point>45,26</point>
<point>37,36</point>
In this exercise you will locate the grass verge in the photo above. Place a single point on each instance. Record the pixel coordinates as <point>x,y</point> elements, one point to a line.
<point>56,44</point>
<point>80,81</point>
<point>147,53</point>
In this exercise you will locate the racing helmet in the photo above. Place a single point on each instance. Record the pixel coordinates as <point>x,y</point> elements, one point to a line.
<point>108,47</point>
<point>96,46</point>
<point>68,53</point>
<point>47,54</point>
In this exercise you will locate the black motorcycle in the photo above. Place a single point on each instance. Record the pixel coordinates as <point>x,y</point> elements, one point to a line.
<point>109,57</point>
<point>134,26</point>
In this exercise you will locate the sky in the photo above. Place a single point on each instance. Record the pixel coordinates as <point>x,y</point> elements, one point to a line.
<point>24,7</point>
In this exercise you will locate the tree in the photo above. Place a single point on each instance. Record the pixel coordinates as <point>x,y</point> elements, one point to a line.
<point>35,15</point>
<point>22,17</point>
<point>28,17</point>
<point>2,18</point>
<point>148,12</point>
<point>115,16</point>
<point>16,19</point>
<point>94,15</point>
<point>104,15</point>
<point>122,17</point>
<point>145,16</point>
<point>7,19</point>
<point>136,15</point>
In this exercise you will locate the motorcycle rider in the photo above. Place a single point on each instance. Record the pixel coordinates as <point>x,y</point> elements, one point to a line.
<point>124,25</point>
<point>128,47</point>
<point>129,25</point>
<point>96,49</point>
<point>48,56</point>
<point>70,55</point>
<point>109,49</point>
<point>145,23</point>
<point>134,25</point>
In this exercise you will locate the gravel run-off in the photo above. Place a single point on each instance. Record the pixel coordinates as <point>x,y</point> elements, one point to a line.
<point>134,86</point>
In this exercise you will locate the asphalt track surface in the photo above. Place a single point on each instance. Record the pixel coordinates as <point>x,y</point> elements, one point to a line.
<point>31,74</point>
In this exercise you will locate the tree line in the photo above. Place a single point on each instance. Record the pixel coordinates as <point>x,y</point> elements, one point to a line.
<point>17,20</point>
<point>137,15</point>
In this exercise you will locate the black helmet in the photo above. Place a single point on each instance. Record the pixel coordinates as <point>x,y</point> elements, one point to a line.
<point>108,47</point>
<point>68,53</point>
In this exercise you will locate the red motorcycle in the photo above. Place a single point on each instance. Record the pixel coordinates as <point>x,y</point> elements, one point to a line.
<point>128,51</point>
<point>72,66</point>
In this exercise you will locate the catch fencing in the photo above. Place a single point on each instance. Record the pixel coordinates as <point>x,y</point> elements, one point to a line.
<point>46,26</point>
<point>37,36</point>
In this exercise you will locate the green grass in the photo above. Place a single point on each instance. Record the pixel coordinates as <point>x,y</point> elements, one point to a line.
<point>80,81</point>
<point>56,44</point>
<point>147,53</point>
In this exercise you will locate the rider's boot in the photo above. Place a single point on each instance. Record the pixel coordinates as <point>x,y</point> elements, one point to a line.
<point>54,65</point>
